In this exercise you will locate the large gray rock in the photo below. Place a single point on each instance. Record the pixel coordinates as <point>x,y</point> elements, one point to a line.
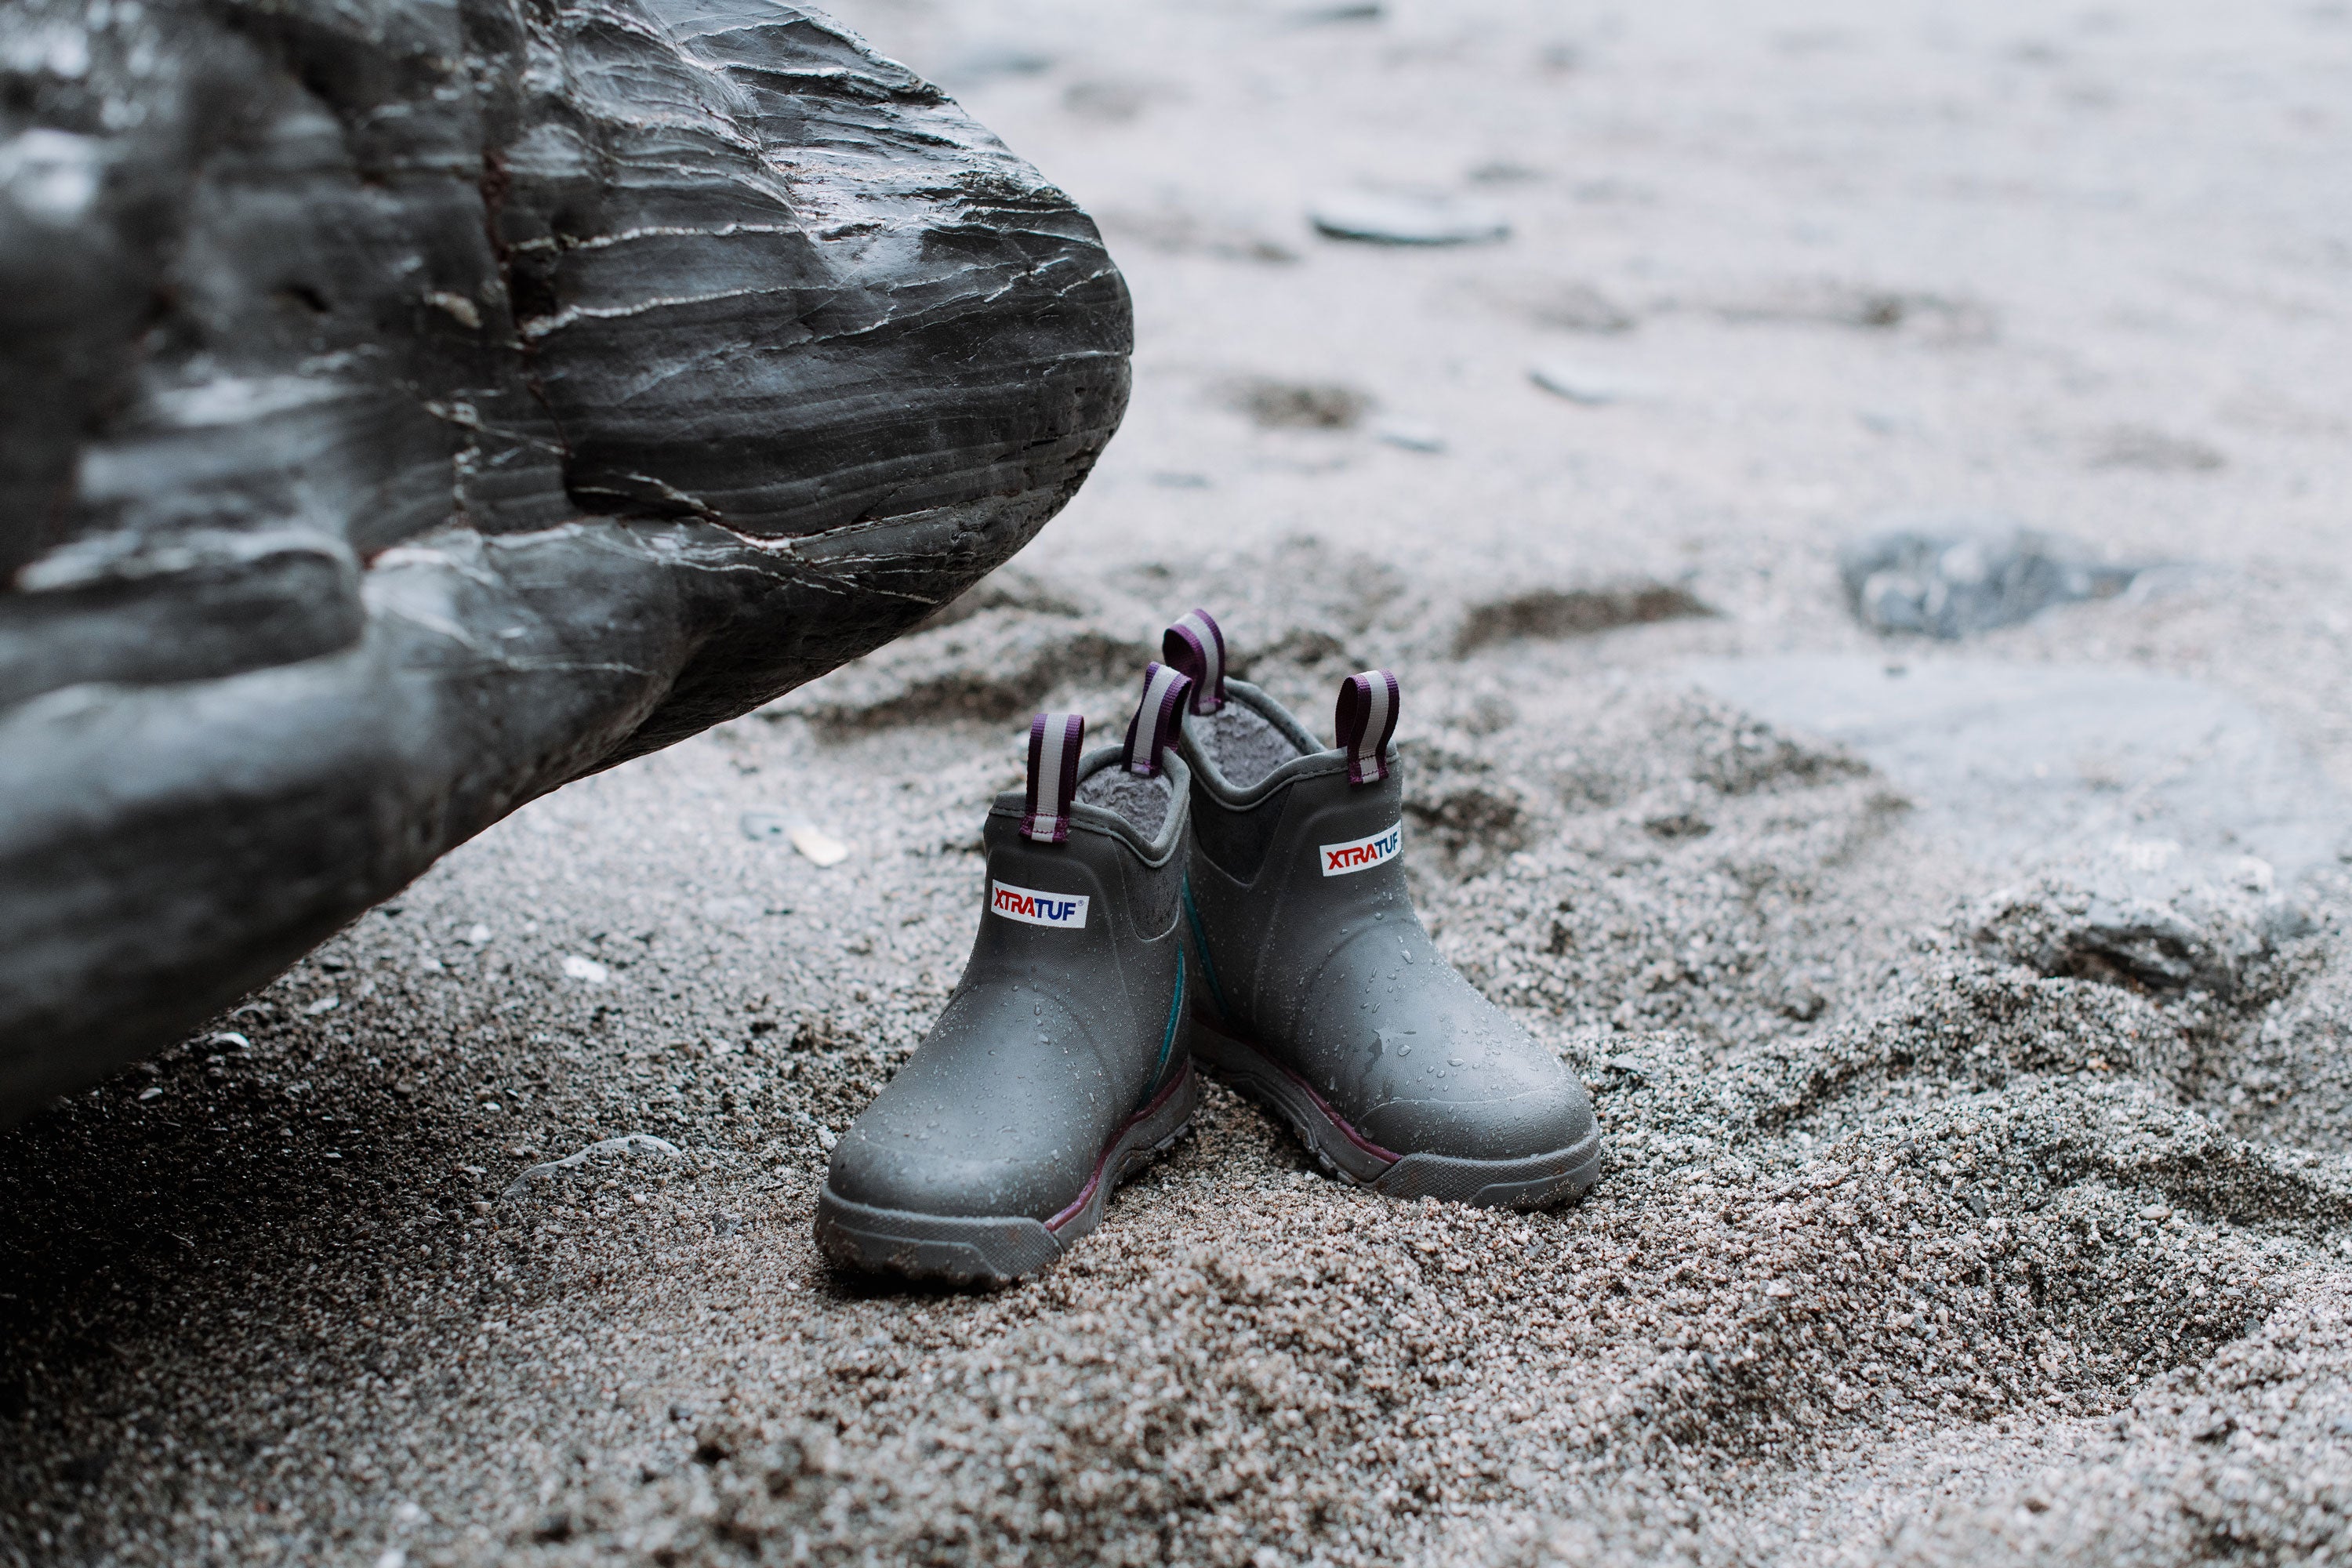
<point>409,407</point>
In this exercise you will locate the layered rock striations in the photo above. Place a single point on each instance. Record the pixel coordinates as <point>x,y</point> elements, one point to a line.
<point>409,408</point>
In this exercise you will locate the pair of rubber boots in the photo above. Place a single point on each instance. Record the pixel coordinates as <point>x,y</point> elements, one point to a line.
<point>1227,893</point>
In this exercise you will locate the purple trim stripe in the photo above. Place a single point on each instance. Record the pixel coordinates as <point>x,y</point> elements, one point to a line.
<point>1366,721</point>
<point>1103,1160</point>
<point>1157,718</point>
<point>1196,644</point>
<point>1054,740</point>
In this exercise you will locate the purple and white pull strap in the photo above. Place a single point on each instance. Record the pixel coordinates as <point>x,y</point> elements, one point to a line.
<point>1197,646</point>
<point>1157,718</point>
<point>1365,722</point>
<point>1054,740</point>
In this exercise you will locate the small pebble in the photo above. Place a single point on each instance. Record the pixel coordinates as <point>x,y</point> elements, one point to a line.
<point>1385,218</point>
<point>818,845</point>
<point>1577,384</point>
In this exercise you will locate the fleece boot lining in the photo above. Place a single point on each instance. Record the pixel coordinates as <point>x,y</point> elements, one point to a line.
<point>1245,745</point>
<point>1143,802</point>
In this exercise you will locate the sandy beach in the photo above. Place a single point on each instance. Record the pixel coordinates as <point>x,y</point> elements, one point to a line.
<point>1968,1016</point>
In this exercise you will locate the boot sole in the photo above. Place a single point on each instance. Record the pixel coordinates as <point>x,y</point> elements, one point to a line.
<point>983,1248</point>
<point>1530,1183</point>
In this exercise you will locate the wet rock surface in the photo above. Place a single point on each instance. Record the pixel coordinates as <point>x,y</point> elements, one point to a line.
<point>409,413</point>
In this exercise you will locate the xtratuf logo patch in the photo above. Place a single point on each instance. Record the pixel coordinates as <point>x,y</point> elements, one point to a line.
<point>1362,854</point>
<point>1065,910</point>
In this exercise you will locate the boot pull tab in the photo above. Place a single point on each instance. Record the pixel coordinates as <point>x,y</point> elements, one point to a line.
<point>1157,718</point>
<point>1054,740</point>
<point>1365,722</point>
<point>1196,644</point>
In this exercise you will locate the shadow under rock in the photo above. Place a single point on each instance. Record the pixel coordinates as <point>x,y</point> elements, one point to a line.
<point>124,1210</point>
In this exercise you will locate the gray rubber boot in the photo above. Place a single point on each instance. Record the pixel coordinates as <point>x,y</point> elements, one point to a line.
<point>1317,989</point>
<point>1059,1064</point>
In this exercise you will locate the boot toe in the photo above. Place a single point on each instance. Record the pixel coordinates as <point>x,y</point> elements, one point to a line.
<point>918,1175</point>
<point>1455,1076</point>
<point>1476,1123</point>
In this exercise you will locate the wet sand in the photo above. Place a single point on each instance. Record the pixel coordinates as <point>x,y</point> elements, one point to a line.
<point>1974,1069</point>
